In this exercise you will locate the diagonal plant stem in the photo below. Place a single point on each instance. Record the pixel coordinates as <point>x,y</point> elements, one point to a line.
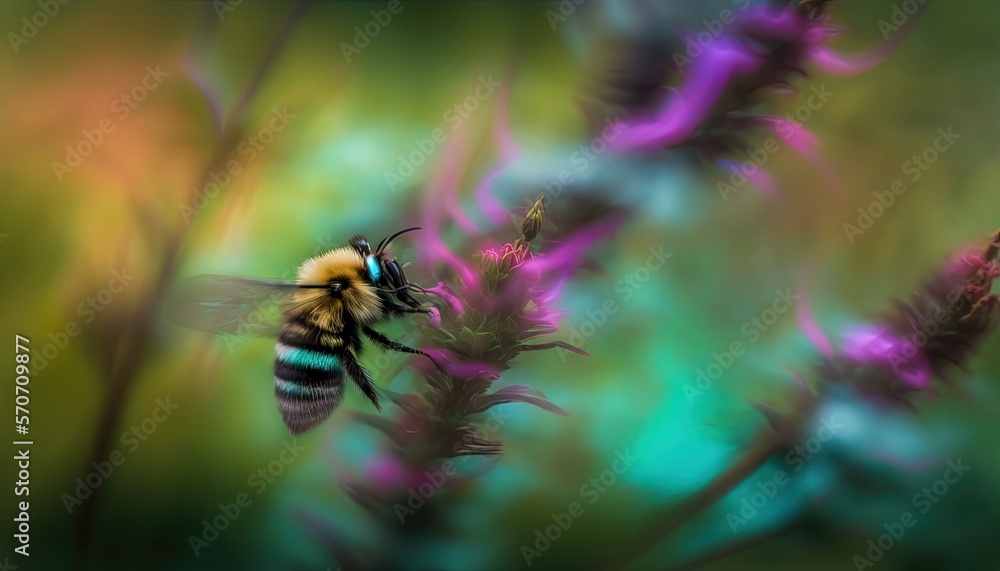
<point>765,445</point>
<point>733,548</point>
<point>133,340</point>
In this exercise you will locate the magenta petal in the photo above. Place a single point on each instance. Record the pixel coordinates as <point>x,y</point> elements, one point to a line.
<point>545,319</point>
<point>448,173</point>
<point>447,182</point>
<point>959,268</point>
<point>435,250</point>
<point>805,318</point>
<point>760,178</point>
<point>803,142</point>
<point>488,203</point>
<point>879,348</point>
<point>566,256</point>
<point>552,292</point>
<point>834,64</point>
<point>471,369</point>
<point>387,472</point>
<point>810,328</point>
<point>686,109</point>
<point>434,316</point>
<point>509,152</point>
<point>440,291</point>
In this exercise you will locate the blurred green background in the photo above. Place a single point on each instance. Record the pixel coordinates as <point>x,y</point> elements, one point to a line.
<point>322,179</point>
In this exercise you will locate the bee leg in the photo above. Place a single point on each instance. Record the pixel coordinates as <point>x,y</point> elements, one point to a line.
<point>398,279</point>
<point>405,297</point>
<point>360,378</point>
<point>396,308</point>
<point>386,343</point>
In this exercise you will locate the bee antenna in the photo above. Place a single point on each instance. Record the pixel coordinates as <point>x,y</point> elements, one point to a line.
<point>385,241</point>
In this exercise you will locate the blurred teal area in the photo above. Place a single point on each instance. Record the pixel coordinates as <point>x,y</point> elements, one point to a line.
<point>323,178</point>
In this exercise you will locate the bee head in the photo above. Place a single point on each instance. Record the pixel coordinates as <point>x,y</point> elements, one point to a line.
<point>381,266</point>
<point>348,289</point>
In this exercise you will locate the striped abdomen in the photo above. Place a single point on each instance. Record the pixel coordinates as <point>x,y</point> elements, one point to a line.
<point>308,378</point>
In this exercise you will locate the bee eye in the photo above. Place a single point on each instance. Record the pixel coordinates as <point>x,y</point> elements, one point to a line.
<point>374,268</point>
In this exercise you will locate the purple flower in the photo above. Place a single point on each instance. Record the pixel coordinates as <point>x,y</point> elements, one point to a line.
<point>703,99</point>
<point>916,342</point>
<point>761,49</point>
<point>890,355</point>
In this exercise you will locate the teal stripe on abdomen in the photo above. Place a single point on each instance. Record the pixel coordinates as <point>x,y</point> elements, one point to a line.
<point>306,358</point>
<point>291,388</point>
<point>300,390</point>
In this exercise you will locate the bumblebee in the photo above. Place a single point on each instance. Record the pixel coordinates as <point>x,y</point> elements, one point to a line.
<point>336,300</point>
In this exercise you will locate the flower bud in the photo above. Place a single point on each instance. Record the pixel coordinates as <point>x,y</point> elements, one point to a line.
<point>533,220</point>
<point>488,264</point>
<point>508,259</point>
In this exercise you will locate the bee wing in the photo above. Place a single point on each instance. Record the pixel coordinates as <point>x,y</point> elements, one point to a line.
<point>230,304</point>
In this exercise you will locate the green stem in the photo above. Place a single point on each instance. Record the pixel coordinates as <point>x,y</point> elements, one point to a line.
<point>133,346</point>
<point>765,446</point>
<point>704,559</point>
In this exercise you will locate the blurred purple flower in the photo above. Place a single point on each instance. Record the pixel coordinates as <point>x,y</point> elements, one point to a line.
<point>890,355</point>
<point>761,49</point>
<point>907,348</point>
<point>671,96</point>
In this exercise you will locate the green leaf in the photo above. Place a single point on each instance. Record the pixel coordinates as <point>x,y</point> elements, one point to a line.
<point>515,393</point>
